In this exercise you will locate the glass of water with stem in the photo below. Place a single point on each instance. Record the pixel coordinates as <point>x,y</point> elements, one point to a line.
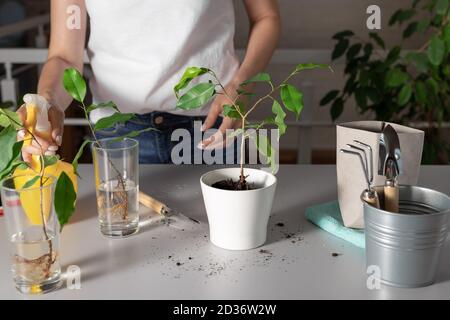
<point>116,166</point>
<point>33,232</point>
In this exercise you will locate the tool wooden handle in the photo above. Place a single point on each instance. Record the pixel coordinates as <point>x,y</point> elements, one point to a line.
<point>151,203</point>
<point>391,199</point>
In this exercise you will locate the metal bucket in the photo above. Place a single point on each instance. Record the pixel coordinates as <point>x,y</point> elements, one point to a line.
<point>407,246</point>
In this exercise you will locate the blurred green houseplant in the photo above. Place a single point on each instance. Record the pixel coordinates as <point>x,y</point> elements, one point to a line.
<point>397,86</point>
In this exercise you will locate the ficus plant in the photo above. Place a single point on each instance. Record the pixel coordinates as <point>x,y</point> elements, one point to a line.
<point>397,85</point>
<point>10,159</point>
<point>241,104</point>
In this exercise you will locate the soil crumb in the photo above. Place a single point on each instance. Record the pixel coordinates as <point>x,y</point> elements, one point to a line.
<point>335,254</point>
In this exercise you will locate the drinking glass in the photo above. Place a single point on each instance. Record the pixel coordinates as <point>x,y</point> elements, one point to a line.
<point>116,166</point>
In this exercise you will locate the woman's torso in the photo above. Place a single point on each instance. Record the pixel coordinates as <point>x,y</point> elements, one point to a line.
<point>139,49</point>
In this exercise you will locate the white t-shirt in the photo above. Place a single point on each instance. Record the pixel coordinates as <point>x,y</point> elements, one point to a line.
<point>139,49</point>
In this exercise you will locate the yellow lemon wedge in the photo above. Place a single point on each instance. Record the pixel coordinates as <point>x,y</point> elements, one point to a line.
<point>34,198</point>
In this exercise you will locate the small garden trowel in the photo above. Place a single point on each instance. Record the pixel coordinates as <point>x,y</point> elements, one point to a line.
<point>390,166</point>
<point>171,217</point>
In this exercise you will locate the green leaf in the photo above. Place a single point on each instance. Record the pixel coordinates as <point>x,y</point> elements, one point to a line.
<point>419,59</point>
<point>337,108</point>
<point>361,98</point>
<point>6,104</point>
<point>15,161</point>
<point>31,182</point>
<point>111,121</point>
<point>343,34</point>
<point>421,93</point>
<point>378,40</point>
<point>436,51</point>
<point>190,74</point>
<point>244,93</point>
<point>65,198</point>
<point>340,49</point>
<point>235,133</point>
<point>393,55</point>
<point>394,17</point>
<point>265,148</point>
<point>373,95</point>
<point>292,99</point>
<point>260,77</point>
<point>197,96</point>
<point>280,115</point>
<point>405,94</point>
<point>423,25</point>
<point>8,138</point>
<point>409,31</point>
<point>102,105</point>
<point>354,51</point>
<point>446,36</point>
<point>396,78</point>
<point>442,7</point>
<point>310,66</point>
<point>330,96</point>
<point>401,16</point>
<point>78,156</point>
<point>74,84</point>
<point>10,118</point>
<point>50,160</point>
<point>433,85</point>
<point>230,112</point>
<point>23,165</point>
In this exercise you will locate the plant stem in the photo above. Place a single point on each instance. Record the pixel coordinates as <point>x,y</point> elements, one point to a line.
<point>119,175</point>
<point>41,204</point>
<point>242,177</point>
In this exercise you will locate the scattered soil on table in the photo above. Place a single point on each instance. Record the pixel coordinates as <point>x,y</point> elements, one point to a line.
<point>267,254</point>
<point>240,185</point>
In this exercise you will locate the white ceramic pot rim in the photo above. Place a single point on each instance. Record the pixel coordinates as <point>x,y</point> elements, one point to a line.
<point>274,181</point>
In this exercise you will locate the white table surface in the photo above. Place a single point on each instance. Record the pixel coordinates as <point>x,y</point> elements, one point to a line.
<point>296,267</point>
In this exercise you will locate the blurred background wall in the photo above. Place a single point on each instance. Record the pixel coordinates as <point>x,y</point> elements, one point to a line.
<point>308,27</point>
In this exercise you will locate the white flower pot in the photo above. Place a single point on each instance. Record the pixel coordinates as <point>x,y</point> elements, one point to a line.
<point>238,219</point>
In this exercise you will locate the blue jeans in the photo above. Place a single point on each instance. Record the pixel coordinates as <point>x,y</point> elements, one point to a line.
<point>156,146</point>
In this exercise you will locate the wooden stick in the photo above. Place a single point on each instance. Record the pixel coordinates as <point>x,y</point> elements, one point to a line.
<point>151,203</point>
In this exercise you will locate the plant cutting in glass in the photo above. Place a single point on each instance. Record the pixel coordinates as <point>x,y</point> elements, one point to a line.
<point>242,106</point>
<point>75,85</point>
<point>33,176</point>
<point>398,87</point>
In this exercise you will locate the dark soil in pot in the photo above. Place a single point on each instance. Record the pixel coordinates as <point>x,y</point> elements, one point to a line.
<point>240,185</point>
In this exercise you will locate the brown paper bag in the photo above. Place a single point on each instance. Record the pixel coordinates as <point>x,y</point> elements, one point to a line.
<point>350,175</point>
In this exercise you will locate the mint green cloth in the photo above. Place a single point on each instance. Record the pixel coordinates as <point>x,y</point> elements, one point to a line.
<point>327,216</point>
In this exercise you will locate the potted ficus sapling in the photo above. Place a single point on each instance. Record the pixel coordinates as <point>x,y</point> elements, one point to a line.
<point>239,200</point>
<point>116,163</point>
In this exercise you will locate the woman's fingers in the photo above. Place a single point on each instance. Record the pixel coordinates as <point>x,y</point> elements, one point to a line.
<point>214,112</point>
<point>22,113</point>
<point>56,118</point>
<point>38,146</point>
<point>219,140</point>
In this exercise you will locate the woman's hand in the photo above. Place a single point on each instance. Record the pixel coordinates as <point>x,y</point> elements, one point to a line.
<point>217,140</point>
<point>44,145</point>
